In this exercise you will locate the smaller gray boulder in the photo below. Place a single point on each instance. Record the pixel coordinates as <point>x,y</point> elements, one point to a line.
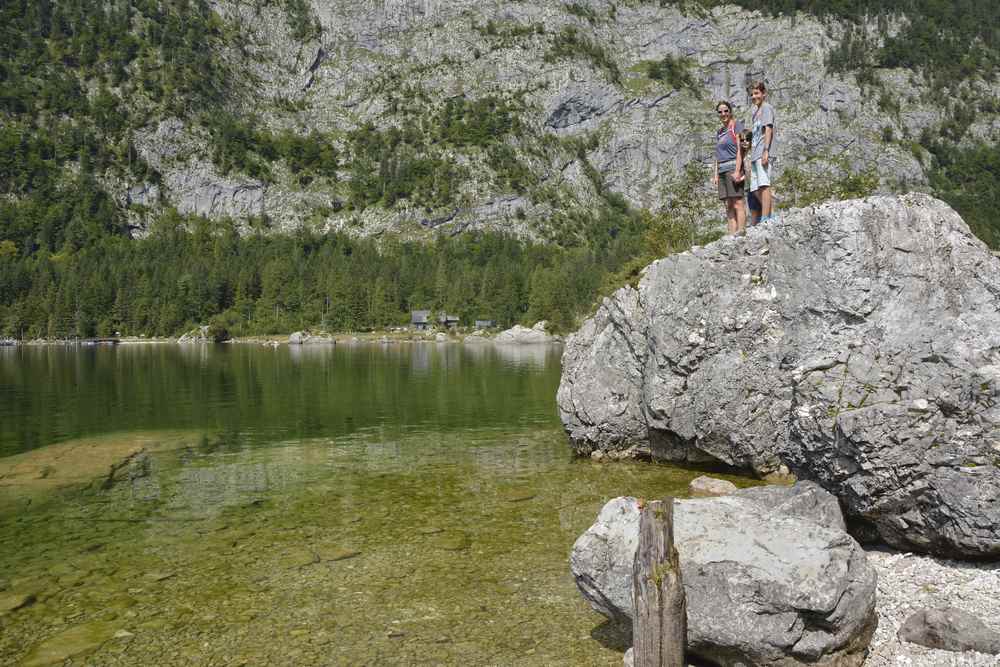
<point>706,487</point>
<point>949,629</point>
<point>771,577</point>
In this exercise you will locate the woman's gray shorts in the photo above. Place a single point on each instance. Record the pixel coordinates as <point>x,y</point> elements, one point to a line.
<point>728,189</point>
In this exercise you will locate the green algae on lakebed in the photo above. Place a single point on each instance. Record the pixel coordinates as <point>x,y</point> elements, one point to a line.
<point>426,548</point>
<point>348,504</point>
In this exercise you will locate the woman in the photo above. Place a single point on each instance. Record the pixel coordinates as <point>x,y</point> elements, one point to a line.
<point>728,174</point>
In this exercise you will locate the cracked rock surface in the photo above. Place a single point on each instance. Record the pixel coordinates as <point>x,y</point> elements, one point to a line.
<point>771,578</point>
<point>856,343</point>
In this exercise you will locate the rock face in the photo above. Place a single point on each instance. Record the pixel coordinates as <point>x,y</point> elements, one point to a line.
<point>764,586</point>
<point>949,629</point>
<point>646,131</point>
<point>524,336</point>
<point>193,184</point>
<point>856,343</point>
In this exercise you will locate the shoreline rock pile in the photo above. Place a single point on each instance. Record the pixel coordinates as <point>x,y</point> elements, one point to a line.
<point>524,336</point>
<point>307,338</point>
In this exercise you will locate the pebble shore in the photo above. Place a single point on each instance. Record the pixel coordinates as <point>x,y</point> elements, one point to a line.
<point>909,582</point>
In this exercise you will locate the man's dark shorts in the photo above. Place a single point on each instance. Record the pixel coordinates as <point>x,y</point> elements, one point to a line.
<point>728,189</point>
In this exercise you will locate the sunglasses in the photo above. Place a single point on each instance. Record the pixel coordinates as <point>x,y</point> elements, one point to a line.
<point>722,111</point>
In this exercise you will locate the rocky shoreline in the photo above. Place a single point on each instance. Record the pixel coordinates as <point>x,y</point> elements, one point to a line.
<point>516,335</point>
<point>772,578</point>
<point>908,582</point>
<point>855,346</point>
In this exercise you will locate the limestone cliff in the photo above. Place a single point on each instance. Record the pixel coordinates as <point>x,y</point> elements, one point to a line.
<point>591,119</point>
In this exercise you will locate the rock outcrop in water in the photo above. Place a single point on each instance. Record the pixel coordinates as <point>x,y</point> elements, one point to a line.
<point>856,343</point>
<point>770,576</point>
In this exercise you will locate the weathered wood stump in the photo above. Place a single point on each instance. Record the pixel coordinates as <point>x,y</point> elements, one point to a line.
<point>659,629</point>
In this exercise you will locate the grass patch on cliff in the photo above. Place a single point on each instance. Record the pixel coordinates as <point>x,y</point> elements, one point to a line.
<point>506,34</point>
<point>243,146</point>
<point>570,43</point>
<point>671,72</point>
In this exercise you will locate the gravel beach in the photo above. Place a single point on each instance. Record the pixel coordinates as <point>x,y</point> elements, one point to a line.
<point>908,582</point>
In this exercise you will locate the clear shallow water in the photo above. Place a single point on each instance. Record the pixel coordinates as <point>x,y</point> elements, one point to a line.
<point>402,504</point>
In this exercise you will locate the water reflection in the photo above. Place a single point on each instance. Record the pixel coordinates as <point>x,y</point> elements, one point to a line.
<point>51,394</point>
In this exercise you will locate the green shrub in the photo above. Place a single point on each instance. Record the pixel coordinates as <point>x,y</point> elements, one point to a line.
<point>569,43</point>
<point>675,71</point>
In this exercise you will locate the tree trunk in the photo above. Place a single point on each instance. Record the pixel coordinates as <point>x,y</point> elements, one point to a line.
<point>659,629</point>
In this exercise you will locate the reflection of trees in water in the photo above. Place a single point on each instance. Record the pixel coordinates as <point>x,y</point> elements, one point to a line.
<point>420,359</point>
<point>271,394</point>
<point>527,356</point>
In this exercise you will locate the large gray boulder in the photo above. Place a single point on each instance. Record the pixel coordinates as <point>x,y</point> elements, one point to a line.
<point>856,343</point>
<point>764,585</point>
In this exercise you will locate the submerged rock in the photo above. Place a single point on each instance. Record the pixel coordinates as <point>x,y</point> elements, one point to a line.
<point>949,629</point>
<point>764,585</point>
<point>12,601</point>
<point>705,487</point>
<point>76,641</point>
<point>856,343</point>
<point>135,465</point>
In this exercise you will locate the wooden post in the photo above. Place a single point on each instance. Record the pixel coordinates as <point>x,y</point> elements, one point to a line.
<point>659,627</point>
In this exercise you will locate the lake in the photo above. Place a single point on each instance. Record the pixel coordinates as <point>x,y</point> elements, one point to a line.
<point>408,503</point>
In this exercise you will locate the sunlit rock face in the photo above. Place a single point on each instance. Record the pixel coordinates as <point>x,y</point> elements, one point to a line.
<point>389,61</point>
<point>856,343</point>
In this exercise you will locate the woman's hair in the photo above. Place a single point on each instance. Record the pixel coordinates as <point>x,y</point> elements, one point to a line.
<point>723,103</point>
<point>759,85</point>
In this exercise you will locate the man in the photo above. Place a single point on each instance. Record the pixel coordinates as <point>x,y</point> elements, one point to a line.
<point>762,153</point>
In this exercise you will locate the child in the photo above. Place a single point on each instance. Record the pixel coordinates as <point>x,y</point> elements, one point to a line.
<point>763,123</point>
<point>753,203</point>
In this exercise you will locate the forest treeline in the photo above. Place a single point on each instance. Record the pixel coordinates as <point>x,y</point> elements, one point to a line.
<point>192,271</point>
